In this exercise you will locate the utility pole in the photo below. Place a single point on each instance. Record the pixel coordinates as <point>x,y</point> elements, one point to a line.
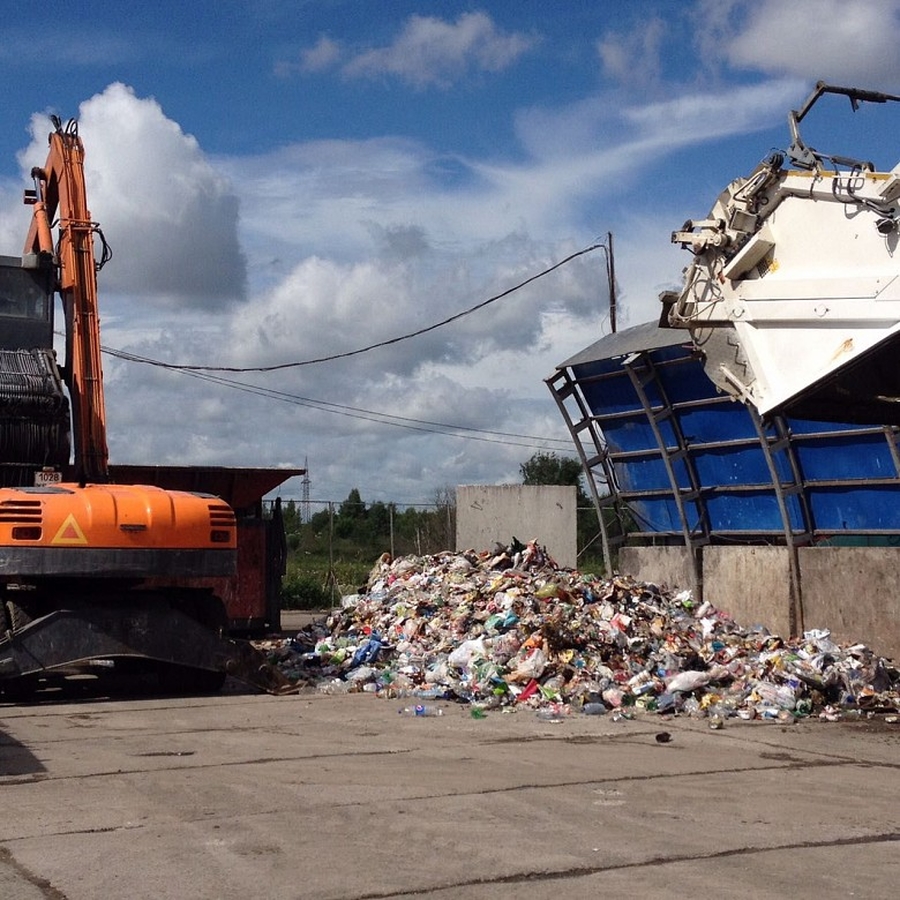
<point>611,273</point>
<point>304,502</point>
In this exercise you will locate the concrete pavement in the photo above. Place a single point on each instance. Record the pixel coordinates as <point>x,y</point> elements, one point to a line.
<point>338,797</point>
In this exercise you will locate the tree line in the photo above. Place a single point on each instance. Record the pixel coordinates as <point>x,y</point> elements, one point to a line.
<point>365,530</point>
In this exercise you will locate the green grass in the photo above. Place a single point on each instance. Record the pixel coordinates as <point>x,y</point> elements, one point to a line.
<point>311,583</point>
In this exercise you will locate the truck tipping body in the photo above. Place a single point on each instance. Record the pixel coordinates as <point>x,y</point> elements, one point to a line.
<point>793,293</point>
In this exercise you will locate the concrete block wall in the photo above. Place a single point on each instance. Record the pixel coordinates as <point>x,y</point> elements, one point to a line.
<point>854,592</point>
<point>751,583</point>
<point>666,566</point>
<point>491,514</point>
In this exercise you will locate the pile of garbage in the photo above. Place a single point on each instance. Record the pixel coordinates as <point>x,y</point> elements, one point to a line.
<point>510,629</point>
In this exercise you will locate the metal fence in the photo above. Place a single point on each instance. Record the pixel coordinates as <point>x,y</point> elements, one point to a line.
<point>419,528</point>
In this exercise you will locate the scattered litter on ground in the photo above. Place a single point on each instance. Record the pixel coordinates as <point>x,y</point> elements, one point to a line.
<point>510,630</point>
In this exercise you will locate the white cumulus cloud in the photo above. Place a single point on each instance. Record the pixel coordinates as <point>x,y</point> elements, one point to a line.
<point>169,215</point>
<point>427,52</point>
<point>841,40</point>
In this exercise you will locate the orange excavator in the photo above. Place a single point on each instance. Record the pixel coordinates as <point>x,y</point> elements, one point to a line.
<point>94,576</point>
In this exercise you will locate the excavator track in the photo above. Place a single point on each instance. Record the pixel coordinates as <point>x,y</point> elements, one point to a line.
<point>158,633</point>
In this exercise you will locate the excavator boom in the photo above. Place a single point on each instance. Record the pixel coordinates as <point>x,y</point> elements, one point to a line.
<point>59,189</point>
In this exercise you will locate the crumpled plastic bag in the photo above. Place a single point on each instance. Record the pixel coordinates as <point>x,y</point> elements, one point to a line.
<point>466,652</point>
<point>530,665</point>
<point>684,682</point>
<point>367,652</point>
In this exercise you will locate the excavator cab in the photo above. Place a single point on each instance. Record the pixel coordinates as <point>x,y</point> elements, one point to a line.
<point>26,303</point>
<point>34,410</point>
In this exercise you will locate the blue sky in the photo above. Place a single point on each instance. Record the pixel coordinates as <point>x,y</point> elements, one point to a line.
<point>283,180</point>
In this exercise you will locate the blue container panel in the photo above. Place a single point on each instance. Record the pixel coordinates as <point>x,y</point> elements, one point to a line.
<point>731,466</point>
<point>632,433</point>
<point>808,426</point>
<point>629,434</point>
<point>596,367</point>
<point>749,512</point>
<point>661,515</point>
<point>646,473</point>
<point>655,515</point>
<point>856,508</point>
<point>685,381</point>
<point>836,457</point>
<point>649,473</point>
<point>716,422</point>
<point>610,396</point>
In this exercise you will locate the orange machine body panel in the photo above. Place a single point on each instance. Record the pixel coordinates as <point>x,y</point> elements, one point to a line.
<point>252,596</point>
<point>111,530</point>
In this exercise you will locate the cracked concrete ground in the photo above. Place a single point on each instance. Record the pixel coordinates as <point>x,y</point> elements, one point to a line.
<point>338,797</point>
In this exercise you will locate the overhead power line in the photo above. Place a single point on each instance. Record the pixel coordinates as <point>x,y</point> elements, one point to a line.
<point>385,343</point>
<point>382,418</point>
<point>206,373</point>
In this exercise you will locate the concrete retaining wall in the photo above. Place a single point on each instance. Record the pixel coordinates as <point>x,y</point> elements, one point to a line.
<point>854,592</point>
<point>666,566</point>
<point>490,514</point>
<point>751,583</point>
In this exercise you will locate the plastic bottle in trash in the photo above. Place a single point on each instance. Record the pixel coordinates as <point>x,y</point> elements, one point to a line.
<point>333,686</point>
<point>553,713</point>
<point>667,702</point>
<point>421,709</point>
<point>430,693</point>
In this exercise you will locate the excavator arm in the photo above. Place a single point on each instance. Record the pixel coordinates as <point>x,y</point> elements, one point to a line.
<point>59,191</point>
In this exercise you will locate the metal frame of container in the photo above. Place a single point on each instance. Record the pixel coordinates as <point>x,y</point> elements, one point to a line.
<point>679,462</point>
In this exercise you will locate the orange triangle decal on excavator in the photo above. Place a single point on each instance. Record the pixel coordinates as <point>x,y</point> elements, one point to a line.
<point>69,532</point>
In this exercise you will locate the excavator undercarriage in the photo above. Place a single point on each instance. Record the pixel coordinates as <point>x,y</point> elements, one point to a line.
<point>172,640</point>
